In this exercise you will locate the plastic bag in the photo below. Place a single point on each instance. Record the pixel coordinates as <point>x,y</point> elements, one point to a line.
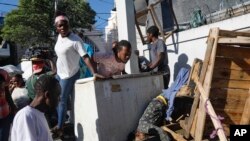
<point>197,18</point>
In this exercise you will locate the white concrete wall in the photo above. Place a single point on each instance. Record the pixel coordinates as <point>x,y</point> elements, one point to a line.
<point>109,110</point>
<point>192,43</point>
<point>111,32</point>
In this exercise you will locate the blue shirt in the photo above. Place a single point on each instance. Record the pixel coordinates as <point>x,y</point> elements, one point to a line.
<point>84,71</point>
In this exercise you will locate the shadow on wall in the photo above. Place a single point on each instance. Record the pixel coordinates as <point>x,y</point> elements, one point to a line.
<point>182,63</point>
<point>80,132</point>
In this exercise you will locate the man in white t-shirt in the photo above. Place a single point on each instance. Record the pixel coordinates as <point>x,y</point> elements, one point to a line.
<point>30,123</point>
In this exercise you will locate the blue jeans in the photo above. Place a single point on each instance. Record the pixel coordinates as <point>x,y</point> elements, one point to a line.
<point>67,87</point>
<point>5,127</point>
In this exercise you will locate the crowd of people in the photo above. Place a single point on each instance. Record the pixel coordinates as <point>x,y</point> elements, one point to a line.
<point>29,105</point>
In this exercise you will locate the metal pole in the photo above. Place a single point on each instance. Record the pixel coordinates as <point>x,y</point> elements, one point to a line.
<point>56,2</point>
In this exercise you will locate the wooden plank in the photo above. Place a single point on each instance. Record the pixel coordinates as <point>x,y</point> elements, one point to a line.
<point>229,93</point>
<point>233,33</point>
<point>228,104</point>
<point>234,41</point>
<point>245,119</point>
<point>232,118</point>
<point>196,69</point>
<point>168,34</point>
<point>206,85</point>
<point>230,112</point>
<point>233,52</point>
<point>231,74</point>
<point>191,120</point>
<point>193,126</point>
<point>139,31</point>
<point>209,128</point>
<point>210,111</point>
<point>210,43</point>
<point>242,37</point>
<point>156,20</point>
<point>225,83</point>
<point>176,136</point>
<point>228,98</point>
<point>232,63</point>
<point>141,13</point>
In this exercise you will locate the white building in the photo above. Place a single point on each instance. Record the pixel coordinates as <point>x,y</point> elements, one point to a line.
<point>111,31</point>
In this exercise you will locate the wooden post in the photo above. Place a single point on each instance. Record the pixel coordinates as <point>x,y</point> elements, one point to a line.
<point>151,7</point>
<point>206,85</point>
<point>176,136</point>
<point>192,119</point>
<point>211,112</point>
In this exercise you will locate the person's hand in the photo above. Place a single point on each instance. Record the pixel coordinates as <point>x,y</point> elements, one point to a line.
<point>150,65</point>
<point>11,87</point>
<point>139,136</point>
<point>98,76</point>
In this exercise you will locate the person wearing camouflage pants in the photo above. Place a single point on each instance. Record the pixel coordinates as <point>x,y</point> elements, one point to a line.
<point>153,118</point>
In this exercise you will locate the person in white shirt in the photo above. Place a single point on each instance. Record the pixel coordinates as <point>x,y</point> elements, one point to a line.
<point>30,123</point>
<point>20,93</point>
<point>69,50</point>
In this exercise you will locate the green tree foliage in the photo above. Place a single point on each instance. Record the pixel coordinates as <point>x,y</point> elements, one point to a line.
<point>78,15</point>
<point>32,23</point>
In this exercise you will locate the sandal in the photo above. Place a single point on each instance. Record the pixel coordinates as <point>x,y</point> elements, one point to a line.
<point>58,134</point>
<point>54,129</point>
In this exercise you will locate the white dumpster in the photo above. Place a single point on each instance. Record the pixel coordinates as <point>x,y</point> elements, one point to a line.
<point>108,110</point>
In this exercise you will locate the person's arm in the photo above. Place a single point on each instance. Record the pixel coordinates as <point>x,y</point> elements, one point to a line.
<point>11,88</point>
<point>92,66</point>
<point>89,63</point>
<point>159,60</point>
